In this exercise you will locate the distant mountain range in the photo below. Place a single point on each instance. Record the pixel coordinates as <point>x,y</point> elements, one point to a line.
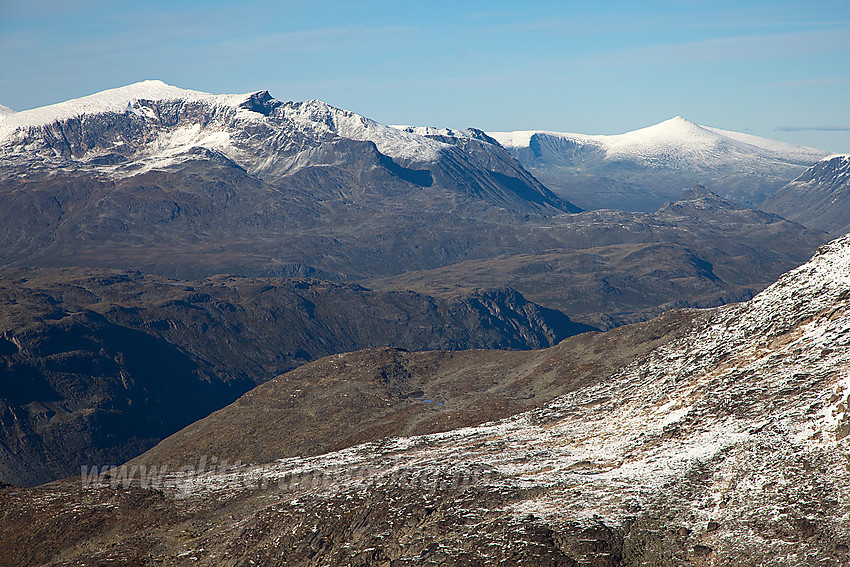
<point>640,170</point>
<point>228,191</point>
<point>150,125</point>
<point>182,183</point>
<point>612,267</point>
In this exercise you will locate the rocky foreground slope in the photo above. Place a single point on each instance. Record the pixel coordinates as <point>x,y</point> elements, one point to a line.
<point>725,446</point>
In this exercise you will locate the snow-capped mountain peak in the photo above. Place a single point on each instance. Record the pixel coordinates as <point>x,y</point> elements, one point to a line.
<point>643,168</point>
<point>112,100</point>
<point>677,137</point>
<point>5,111</point>
<point>130,130</point>
<point>312,117</point>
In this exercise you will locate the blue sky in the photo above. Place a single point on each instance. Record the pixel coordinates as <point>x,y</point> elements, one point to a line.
<point>775,69</point>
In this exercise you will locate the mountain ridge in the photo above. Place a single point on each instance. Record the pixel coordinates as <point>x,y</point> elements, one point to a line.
<point>150,124</point>
<point>204,184</point>
<point>643,167</point>
<point>819,198</point>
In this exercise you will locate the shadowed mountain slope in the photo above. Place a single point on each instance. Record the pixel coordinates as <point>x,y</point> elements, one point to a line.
<point>353,398</point>
<point>98,366</point>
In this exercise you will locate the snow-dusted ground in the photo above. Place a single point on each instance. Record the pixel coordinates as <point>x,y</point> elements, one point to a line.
<point>742,422</point>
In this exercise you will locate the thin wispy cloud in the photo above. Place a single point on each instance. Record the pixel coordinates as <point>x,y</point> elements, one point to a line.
<point>565,26</point>
<point>813,129</point>
<point>801,24</point>
<point>735,48</point>
<point>324,39</point>
<point>492,14</point>
<point>810,82</point>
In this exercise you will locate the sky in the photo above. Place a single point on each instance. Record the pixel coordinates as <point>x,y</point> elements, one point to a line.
<point>778,69</point>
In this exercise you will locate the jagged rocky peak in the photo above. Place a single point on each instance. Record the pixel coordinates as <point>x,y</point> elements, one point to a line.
<point>261,102</point>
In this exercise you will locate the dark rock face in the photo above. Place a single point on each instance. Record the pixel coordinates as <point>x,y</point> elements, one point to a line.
<point>96,367</point>
<point>819,198</point>
<point>82,389</point>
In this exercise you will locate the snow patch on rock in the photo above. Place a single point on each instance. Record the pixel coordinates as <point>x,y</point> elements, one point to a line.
<point>318,117</point>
